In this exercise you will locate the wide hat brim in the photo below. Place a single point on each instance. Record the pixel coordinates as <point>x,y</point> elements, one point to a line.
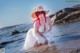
<point>34,16</point>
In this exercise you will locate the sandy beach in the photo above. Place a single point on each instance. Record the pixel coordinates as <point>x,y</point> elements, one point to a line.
<point>65,47</point>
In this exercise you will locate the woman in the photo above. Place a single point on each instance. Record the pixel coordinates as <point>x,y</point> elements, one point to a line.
<point>42,24</point>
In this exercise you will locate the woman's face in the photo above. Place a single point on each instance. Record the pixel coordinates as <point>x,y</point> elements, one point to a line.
<point>41,16</point>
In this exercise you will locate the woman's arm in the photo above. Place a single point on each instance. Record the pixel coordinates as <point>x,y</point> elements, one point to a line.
<point>36,28</point>
<point>53,19</point>
<point>50,23</point>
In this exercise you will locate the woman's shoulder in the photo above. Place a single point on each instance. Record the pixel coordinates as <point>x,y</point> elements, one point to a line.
<point>35,22</point>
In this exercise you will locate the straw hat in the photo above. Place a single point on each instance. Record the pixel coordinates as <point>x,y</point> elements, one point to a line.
<point>38,8</point>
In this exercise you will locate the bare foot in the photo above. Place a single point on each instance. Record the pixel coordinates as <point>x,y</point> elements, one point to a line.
<point>37,44</point>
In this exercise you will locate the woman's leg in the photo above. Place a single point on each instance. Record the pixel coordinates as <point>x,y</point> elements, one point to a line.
<point>38,42</point>
<point>46,41</point>
<point>39,38</point>
<point>29,40</point>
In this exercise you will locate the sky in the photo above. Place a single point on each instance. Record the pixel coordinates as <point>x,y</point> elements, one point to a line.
<point>13,12</point>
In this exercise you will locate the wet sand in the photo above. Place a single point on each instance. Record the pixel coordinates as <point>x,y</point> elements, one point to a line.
<point>72,46</point>
<point>43,49</point>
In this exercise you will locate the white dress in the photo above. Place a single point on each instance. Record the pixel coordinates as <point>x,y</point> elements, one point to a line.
<point>32,37</point>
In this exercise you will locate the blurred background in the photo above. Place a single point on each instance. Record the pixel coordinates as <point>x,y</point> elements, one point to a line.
<point>13,12</point>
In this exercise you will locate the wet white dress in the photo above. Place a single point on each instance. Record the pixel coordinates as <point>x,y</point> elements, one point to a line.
<point>32,37</point>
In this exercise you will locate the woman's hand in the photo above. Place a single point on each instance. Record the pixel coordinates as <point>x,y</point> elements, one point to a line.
<point>40,33</point>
